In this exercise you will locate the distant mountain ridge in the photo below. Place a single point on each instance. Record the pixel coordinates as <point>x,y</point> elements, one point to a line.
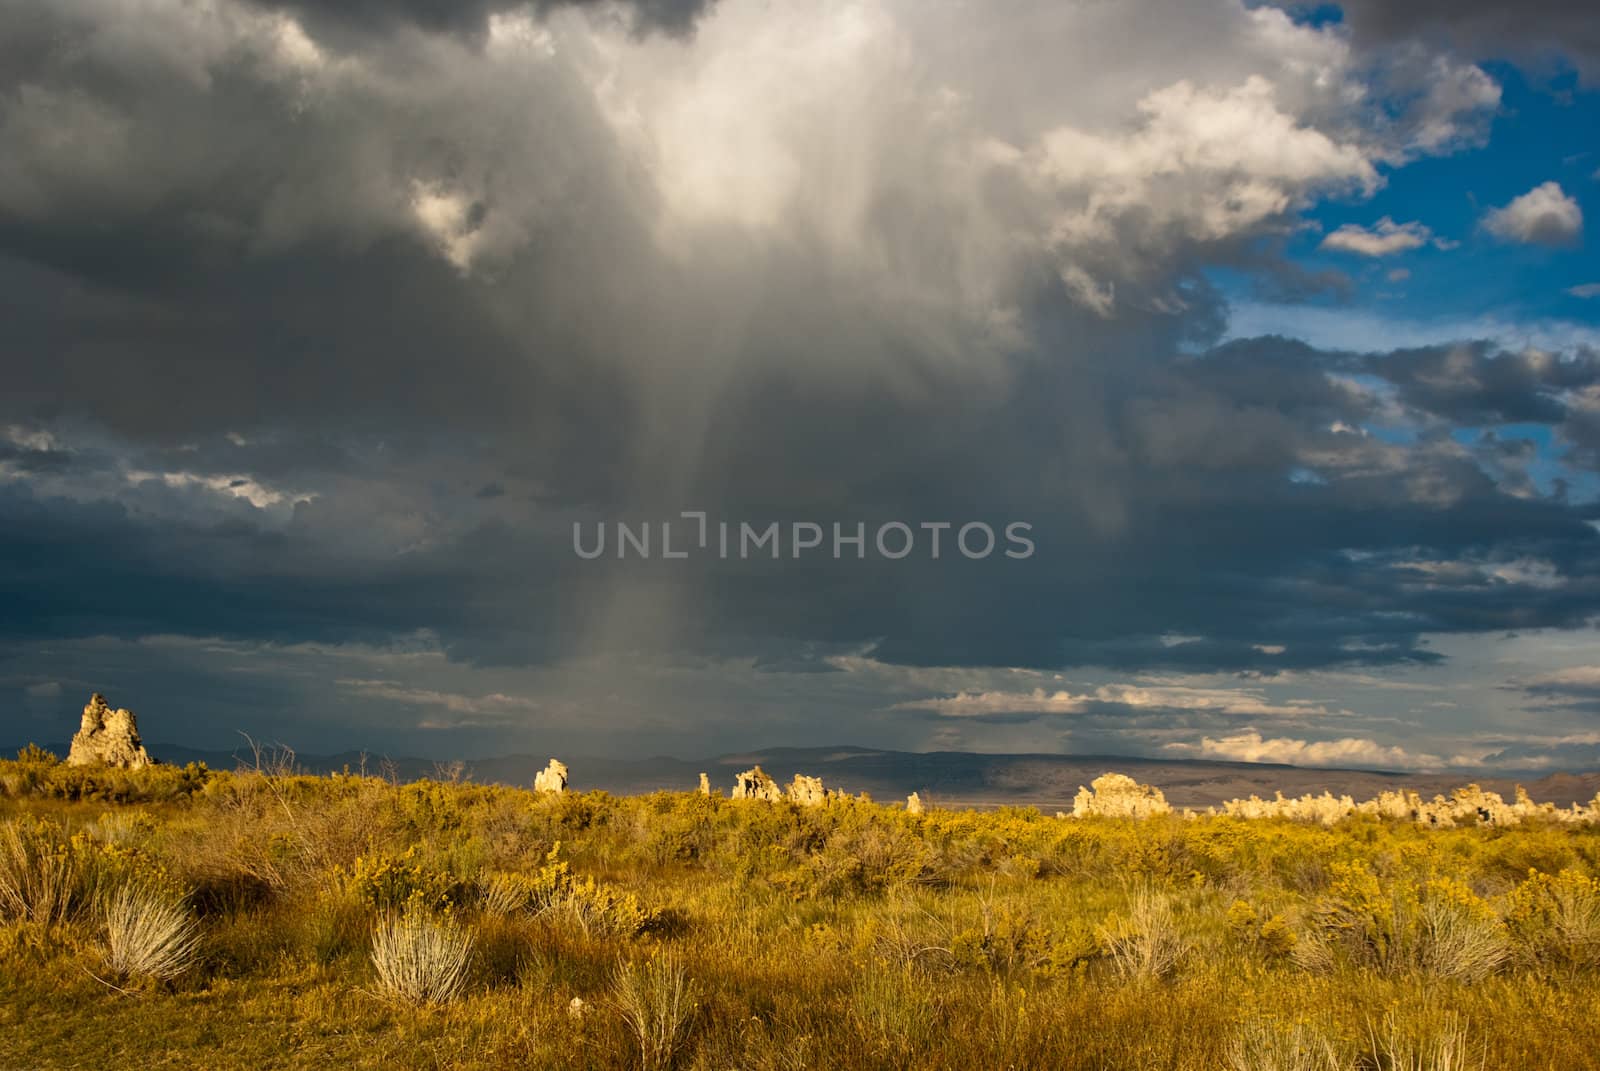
<point>942,778</point>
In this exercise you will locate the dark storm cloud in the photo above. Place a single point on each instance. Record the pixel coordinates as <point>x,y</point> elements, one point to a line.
<point>1537,31</point>
<point>99,569</point>
<point>426,302</point>
<point>1170,511</point>
<point>1576,688</point>
<point>187,250</point>
<point>1184,520</point>
<point>1564,756</point>
<point>31,461</point>
<point>1473,384</point>
<point>470,17</point>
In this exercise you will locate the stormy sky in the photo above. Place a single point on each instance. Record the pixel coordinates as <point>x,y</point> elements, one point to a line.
<point>325,323</point>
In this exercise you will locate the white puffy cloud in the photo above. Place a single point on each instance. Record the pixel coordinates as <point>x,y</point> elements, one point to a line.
<point>1211,163</point>
<point>448,219</point>
<point>1234,701</point>
<point>1385,238</point>
<point>1545,215</point>
<point>1251,746</point>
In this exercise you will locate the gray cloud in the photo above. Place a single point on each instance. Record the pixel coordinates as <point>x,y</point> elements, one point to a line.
<point>1475,384</point>
<point>1573,687</point>
<point>323,331</point>
<point>1545,215</point>
<point>470,18</point>
<point>1535,32</point>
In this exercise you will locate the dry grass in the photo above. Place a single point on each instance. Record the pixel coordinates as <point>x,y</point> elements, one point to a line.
<point>39,881</point>
<point>1146,941</point>
<point>1576,926</point>
<point>1396,1045</point>
<point>656,1000</point>
<point>1463,944</point>
<point>420,959</point>
<point>503,896</point>
<point>149,934</point>
<point>1264,1045</point>
<point>849,936</point>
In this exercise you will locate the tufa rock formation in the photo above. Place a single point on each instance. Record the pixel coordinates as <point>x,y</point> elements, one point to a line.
<point>754,784</point>
<point>108,738</point>
<point>1470,805</point>
<point>553,778</point>
<point>913,804</point>
<point>705,785</point>
<point>1326,808</point>
<point>1117,795</point>
<point>807,791</point>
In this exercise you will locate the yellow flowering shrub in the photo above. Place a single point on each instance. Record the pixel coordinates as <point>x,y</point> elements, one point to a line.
<point>603,910</point>
<point>1277,936</point>
<point>1242,919</point>
<point>1437,925</point>
<point>390,882</point>
<point>1554,919</point>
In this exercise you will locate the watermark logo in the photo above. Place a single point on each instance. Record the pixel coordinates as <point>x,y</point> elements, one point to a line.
<point>695,535</point>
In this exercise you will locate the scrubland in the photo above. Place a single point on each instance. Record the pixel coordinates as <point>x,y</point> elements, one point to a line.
<point>179,917</point>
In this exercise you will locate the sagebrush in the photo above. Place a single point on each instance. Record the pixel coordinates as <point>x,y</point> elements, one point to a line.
<point>283,920</point>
